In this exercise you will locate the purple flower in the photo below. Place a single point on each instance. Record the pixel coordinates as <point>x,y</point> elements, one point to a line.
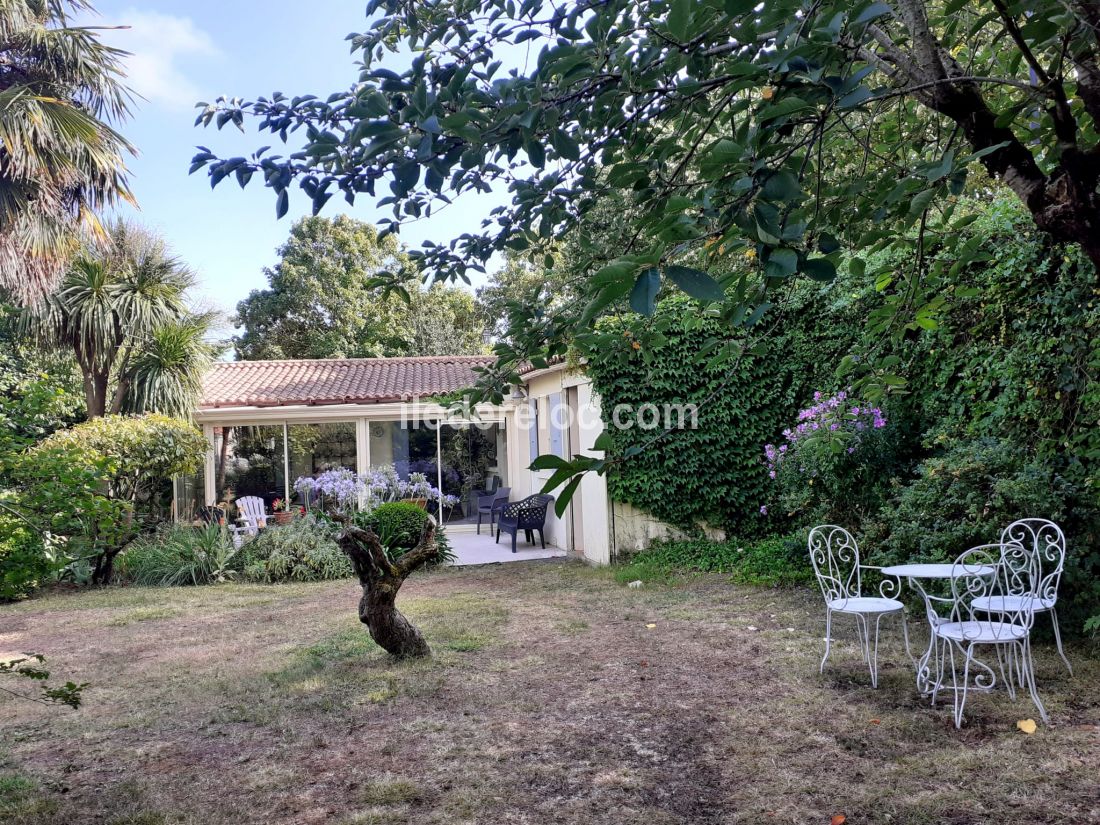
<point>763,509</point>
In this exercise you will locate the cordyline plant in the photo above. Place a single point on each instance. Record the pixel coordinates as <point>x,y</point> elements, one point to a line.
<point>791,136</point>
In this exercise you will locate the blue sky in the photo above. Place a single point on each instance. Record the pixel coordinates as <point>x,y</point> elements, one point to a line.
<point>184,52</point>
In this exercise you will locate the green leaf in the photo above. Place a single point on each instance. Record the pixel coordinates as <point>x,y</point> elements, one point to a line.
<point>819,269</point>
<point>699,285</point>
<point>782,186</point>
<point>565,145</point>
<point>781,108</point>
<point>920,202</point>
<point>858,95</point>
<point>872,12</point>
<point>781,263</point>
<point>549,462</point>
<point>827,243</point>
<point>566,496</point>
<point>679,18</point>
<point>282,203</point>
<point>604,442</point>
<point>643,297</point>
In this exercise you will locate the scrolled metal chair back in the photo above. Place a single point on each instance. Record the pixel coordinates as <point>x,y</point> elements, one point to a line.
<point>834,555</point>
<point>1046,546</point>
<point>992,571</point>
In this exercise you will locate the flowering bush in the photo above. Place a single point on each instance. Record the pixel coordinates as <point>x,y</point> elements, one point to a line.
<point>343,490</point>
<point>834,463</point>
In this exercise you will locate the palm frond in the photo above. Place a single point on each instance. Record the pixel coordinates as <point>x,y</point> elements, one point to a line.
<point>60,160</point>
<point>167,372</point>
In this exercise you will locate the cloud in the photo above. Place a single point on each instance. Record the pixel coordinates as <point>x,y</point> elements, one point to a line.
<point>161,46</point>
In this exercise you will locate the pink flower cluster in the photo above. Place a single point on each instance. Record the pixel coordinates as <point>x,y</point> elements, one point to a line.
<point>826,415</point>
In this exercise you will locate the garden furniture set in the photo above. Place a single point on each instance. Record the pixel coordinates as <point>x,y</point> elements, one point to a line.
<point>986,600</point>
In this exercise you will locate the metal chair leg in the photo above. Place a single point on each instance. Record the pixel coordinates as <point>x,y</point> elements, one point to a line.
<point>1029,669</point>
<point>1058,639</point>
<point>960,695</point>
<point>874,653</point>
<point>828,638</point>
<point>905,636</point>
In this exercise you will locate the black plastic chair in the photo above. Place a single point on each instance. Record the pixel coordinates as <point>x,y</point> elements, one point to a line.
<point>491,504</point>
<point>527,515</point>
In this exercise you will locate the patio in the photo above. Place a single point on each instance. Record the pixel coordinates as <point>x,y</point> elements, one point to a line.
<point>471,549</point>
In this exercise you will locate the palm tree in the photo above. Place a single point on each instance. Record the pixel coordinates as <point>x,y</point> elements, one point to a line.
<point>121,310</point>
<point>60,161</point>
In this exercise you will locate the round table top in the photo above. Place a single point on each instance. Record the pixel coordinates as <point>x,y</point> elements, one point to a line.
<point>937,571</point>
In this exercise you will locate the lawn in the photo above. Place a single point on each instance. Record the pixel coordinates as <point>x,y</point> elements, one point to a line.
<point>556,695</point>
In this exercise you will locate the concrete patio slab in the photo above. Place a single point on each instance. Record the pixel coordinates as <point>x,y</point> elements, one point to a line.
<point>470,548</point>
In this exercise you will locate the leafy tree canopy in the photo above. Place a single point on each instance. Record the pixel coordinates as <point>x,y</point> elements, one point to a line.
<point>324,300</point>
<point>786,132</point>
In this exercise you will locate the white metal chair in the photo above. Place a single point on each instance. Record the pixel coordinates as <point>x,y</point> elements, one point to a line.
<point>252,514</point>
<point>834,555</point>
<point>990,574</point>
<point>1046,546</point>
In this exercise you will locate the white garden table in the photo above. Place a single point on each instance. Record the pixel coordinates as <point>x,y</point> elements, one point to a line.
<point>915,574</point>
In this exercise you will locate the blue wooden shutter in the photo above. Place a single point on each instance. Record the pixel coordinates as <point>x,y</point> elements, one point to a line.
<point>533,429</point>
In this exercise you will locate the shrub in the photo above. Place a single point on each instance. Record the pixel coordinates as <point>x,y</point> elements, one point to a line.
<point>776,561</point>
<point>967,495</point>
<point>835,464</point>
<point>97,482</point>
<point>399,525</point>
<point>302,550</point>
<point>25,561</point>
<point>180,555</point>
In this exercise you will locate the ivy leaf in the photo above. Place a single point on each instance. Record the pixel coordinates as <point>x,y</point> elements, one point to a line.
<point>643,297</point>
<point>696,283</point>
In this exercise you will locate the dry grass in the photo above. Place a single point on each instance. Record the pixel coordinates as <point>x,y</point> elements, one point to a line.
<point>549,699</point>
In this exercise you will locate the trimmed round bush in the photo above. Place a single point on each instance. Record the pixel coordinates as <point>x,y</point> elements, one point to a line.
<point>398,524</point>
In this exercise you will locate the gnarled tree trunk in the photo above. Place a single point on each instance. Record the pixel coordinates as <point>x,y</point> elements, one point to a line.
<point>381,579</point>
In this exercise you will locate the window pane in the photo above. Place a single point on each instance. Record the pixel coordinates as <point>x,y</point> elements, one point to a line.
<point>409,446</point>
<point>248,461</point>
<point>315,448</point>
<point>475,461</point>
<point>190,496</point>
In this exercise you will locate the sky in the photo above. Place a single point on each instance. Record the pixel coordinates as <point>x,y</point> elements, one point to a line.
<point>185,51</point>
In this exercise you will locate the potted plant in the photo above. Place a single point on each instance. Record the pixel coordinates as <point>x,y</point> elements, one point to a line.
<point>283,511</point>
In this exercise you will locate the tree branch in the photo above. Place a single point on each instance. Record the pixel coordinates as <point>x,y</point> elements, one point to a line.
<point>424,551</point>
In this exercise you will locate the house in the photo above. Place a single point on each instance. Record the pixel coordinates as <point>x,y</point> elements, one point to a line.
<point>270,422</point>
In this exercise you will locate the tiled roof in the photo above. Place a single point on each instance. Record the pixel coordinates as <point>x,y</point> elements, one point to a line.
<point>335,381</point>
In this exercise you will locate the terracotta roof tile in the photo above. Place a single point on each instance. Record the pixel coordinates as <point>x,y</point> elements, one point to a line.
<point>335,381</point>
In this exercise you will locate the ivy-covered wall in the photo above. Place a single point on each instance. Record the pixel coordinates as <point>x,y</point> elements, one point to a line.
<point>714,473</point>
